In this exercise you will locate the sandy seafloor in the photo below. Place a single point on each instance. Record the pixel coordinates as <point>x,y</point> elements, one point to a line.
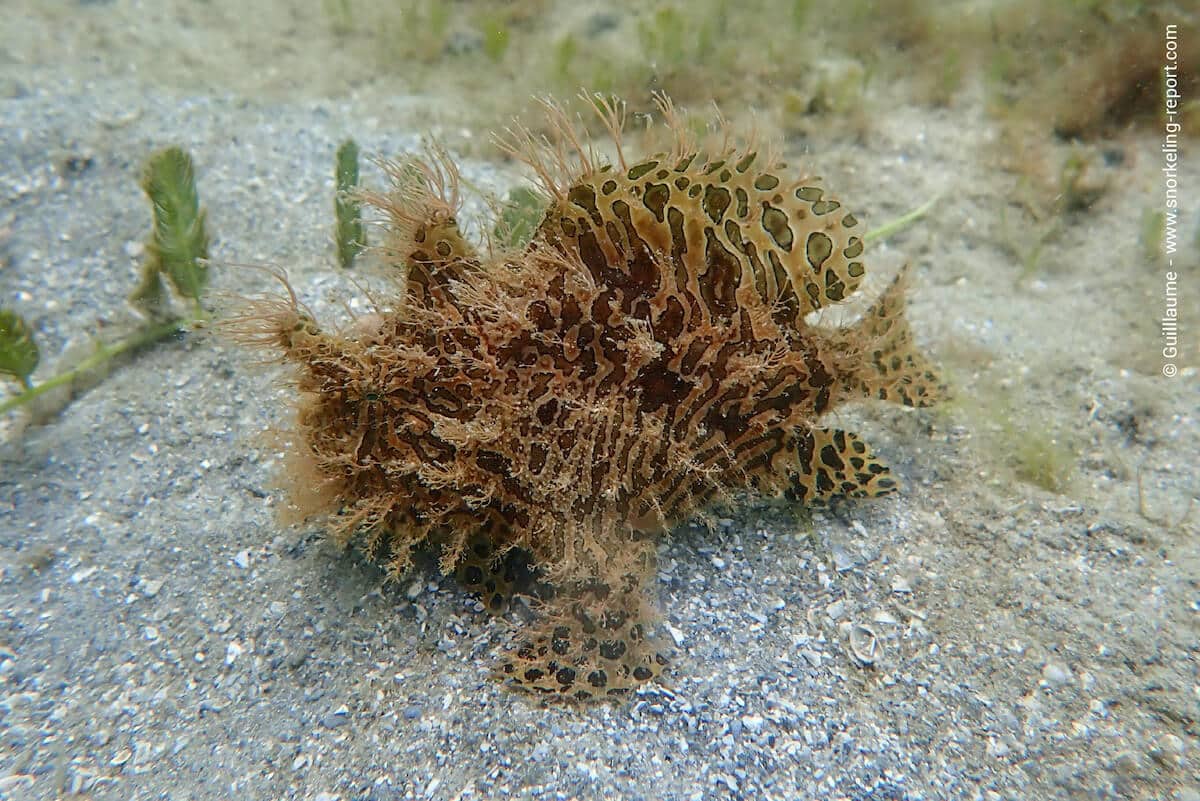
<point>162,636</point>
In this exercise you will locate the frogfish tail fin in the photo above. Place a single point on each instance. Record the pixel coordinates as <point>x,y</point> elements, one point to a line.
<point>887,364</point>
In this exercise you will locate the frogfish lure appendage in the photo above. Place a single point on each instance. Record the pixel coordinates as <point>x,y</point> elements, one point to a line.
<point>561,404</point>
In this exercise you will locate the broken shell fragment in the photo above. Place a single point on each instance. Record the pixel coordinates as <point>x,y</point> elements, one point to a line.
<point>863,644</point>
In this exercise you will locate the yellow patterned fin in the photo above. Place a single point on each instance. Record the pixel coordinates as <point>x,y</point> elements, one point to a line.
<point>888,365</point>
<point>495,577</point>
<point>586,651</point>
<point>824,463</point>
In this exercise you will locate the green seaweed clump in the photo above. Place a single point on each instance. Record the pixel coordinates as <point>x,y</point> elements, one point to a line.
<point>496,37</point>
<point>178,241</point>
<point>1044,460</point>
<point>1030,448</point>
<point>1154,230</point>
<point>349,234</point>
<point>18,352</point>
<point>519,218</point>
<point>176,250</point>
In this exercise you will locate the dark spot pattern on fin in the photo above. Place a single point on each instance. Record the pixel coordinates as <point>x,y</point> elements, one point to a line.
<point>586,651</point>
<point>495,577</point>
<point>893,368</point>
<point>821,463</point>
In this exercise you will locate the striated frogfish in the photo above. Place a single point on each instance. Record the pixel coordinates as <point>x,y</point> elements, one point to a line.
<point>561,404</point>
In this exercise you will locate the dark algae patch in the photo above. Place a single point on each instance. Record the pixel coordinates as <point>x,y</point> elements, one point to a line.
<point>644,354</point>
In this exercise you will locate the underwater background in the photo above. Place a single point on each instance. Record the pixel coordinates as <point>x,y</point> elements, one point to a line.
<point>1021,620</point>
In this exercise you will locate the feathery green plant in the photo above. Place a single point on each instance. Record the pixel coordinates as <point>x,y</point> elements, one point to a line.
<point>564,59</point>
<point>1154,229</point>
<point>900,223</point>
<point>341,18</point>
<point>177,247</point>
<point>349,233</point>
<point>18,352</point>
<point>178,242</point>
<point>496,36</point>
<point>519,217</point>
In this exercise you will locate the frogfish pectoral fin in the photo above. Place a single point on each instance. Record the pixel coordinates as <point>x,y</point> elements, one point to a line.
<point>586,648</point>
<point>818,464</point>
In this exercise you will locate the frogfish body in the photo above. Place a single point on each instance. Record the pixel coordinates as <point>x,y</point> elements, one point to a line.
<point>645,355</point>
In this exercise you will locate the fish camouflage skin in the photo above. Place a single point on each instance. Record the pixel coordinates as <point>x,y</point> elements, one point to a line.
<point>645,355</point>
